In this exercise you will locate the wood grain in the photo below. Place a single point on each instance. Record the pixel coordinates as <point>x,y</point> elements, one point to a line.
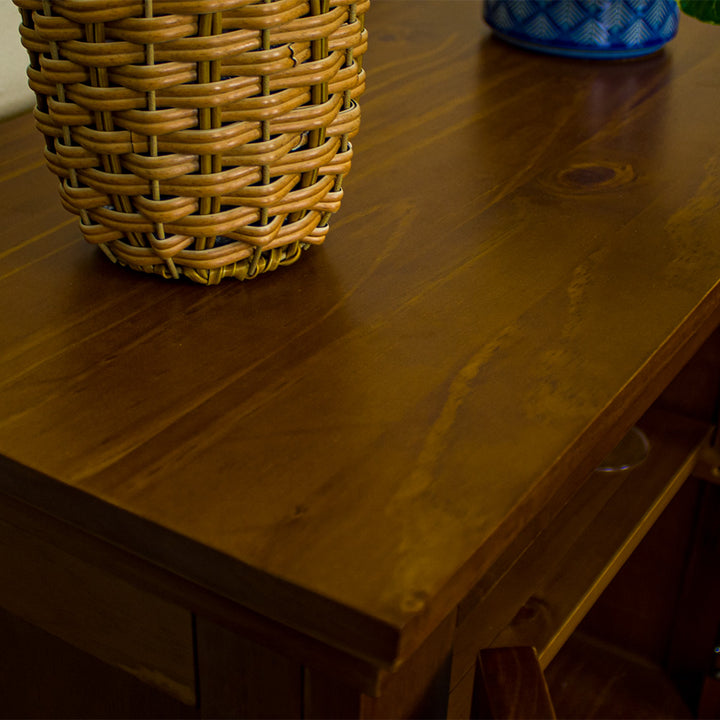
<point>509,683</point>
<point>43,677</point>
<point>241,679</point>
<point>540,600</point>
<point>562,598</point>
<point>346,446</point>
<point>97,612</point>
<point>640,608</point>
<point>419,689</point>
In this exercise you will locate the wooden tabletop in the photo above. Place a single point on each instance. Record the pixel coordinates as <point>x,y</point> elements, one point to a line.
<point>527,249</point>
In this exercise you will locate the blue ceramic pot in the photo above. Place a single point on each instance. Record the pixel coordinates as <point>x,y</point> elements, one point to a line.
<point>585,28</point>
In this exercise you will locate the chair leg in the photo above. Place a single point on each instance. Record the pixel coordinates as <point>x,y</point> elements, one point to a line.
<point>509,683</point>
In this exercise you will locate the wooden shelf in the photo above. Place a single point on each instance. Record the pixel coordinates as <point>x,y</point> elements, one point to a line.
<point>591,679</point>
<point>541,599</point>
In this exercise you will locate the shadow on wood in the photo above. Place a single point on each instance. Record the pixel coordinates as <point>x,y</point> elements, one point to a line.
<point>509,683</point>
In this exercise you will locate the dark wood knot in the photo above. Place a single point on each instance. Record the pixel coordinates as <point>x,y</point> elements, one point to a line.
<point>595,176</point>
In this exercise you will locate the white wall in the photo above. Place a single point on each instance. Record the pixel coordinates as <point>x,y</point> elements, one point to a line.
<point>15,95</point>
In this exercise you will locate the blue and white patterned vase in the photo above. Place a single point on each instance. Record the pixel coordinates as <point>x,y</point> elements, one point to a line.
<point>585,28</point>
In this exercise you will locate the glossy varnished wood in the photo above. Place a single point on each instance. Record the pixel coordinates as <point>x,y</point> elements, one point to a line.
<point>526,256</point>
<point>540,600</point>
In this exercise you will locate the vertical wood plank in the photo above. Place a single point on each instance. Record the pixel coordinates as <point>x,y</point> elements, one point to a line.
<point>421,687</point>
<point>509,683</point>
<point>460,701</point>
<point>418,689</point>
<point>239,678</point>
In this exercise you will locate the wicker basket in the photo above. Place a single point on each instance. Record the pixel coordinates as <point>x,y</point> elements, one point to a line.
<point>198,138</point>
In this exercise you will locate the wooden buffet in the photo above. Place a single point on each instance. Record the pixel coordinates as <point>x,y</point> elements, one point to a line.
<point>320,493</point>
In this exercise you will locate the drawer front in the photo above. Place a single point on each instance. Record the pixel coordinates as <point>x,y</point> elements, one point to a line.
<point>86,606</point>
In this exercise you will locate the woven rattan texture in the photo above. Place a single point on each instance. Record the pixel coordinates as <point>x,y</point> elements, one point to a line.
<point>205,138</point>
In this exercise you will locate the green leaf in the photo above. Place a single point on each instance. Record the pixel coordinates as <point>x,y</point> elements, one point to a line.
<point>706,10</point>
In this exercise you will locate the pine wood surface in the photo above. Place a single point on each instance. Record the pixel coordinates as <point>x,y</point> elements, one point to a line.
<point>527,253</point>
<point>560,601</point>
<point>541,599</point>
